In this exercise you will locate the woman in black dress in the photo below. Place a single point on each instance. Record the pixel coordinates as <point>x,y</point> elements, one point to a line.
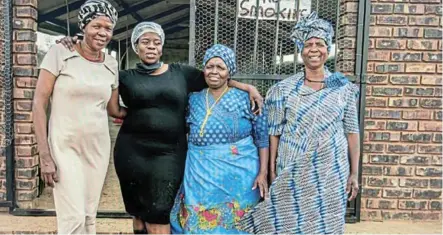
<point>151,146</point>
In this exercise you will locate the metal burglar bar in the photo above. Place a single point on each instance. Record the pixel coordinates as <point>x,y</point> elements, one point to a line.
<point>261,41</point>
<point>259,30</point>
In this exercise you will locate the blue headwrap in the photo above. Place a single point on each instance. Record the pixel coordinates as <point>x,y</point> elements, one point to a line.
<point>225,53</point>
<point>312,27</point>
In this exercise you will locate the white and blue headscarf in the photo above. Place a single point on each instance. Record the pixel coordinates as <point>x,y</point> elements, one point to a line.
<point>312,27</point>
<point>94,8</point>
<point>223,52</point>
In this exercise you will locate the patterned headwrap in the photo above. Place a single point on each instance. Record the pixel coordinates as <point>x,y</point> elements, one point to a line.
<point>146,27</point>
<point>225,53</point>
<point>312,27</point>
<point>94,8</point>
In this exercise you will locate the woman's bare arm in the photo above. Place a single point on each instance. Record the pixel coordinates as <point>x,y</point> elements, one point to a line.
<point>114,108</point>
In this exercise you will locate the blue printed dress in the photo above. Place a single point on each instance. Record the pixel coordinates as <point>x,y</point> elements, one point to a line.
<point>221,165</point>
<point>309,194</point>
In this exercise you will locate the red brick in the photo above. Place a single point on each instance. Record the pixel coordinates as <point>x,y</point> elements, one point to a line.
<point>385,114</point>
<point>416,160</point>
<point>396,215</point>
<point>414,183</point>
<point>27,162</point>
<point>424,20</point>
<point>26,195</point>
<point>24,128</point>
<point>426,216</point>
<point>417,115</point>
<point>376,102</point>
<point>384,159</point>
<point>429,103</point>
<point>23,105</point>
<point>432,56</point>
<point>371,192</point>
<point>439,68</point>
<point>377,79</point>
<point>386,91</point>
<point>430,149</point>
<point>430,126</point>
<point>409,9</point>
<point>427,194</point>
<point>381,204</point>
<point>371,215</point>
<point>380,32</point>
<point>26,12</point>
<point>23,93</point>
<point>392,20</point>
<point>393,44</point>
<point>405,79</point>
<point>26,59</point>
<point>375,125</point>
<point>32,3</point>
<point>26,173</point>
<point>420,68</point>
<point>24,24</point>
<point>402,125</point>
<point>374,181</point>
<point>21,139</point>
<point>23,116</point>
<point>428,45</point>
<point>398,171</point>
<point>379,55</point>
<point>397,193</point>
<point>419,137</point>
<point>26,82</point>
<point>409,32</point>
<point>412,205</point>
<point>428,172</point>
<point>431,80</point>
<point>403,102</point>
<point>373,148</point>
<point>437,160</point>
<point>26,150</point>
<point>26,184</point>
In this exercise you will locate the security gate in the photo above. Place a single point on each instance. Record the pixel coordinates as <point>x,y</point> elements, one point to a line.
<point>258,31</point>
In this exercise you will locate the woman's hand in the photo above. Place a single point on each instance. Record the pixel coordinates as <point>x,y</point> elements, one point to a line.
<point>68,42</point>
<point>48,170</point>
<point>256,99</point>
<point>261,182</point>
<point>352,186</point>
<point>272,176</point>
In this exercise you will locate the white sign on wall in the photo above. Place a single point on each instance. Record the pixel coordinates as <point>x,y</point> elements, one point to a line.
<point>289,10</point>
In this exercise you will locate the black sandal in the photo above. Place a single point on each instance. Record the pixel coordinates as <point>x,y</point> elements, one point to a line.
<point>140,231</point>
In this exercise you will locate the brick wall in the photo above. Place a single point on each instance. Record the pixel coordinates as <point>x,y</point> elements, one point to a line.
<point>402,165</point>
<point>25,79</point>
<point>346,36</point>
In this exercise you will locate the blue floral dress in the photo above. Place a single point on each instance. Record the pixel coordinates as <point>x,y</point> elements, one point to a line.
<point>221,165</point>
<point>309,194</point>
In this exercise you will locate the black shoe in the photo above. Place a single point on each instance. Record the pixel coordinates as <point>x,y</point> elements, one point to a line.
<point>140,231</point>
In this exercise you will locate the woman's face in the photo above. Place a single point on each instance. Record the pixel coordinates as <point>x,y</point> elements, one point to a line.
<point>315,53</point>
<point>149,48</point>
<point>98,32</point>
<point>216,73</point>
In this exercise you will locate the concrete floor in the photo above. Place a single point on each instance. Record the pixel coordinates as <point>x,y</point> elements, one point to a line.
<point>45,225</point>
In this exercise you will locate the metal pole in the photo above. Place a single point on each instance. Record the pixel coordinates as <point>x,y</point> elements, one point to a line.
<point>67,18</point>
<point>9,105</point>
<point>274,69</point>
<point>236,28</point>
<point>191,54</point>
<point>216,22</point>
<point>119,55</point>
<point>363,36</point>
<point>254,59</point>
<point>297,7</point>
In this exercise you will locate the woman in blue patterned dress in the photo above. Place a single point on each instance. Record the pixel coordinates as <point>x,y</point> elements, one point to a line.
<point>227,161</point>
<point>313,126</point>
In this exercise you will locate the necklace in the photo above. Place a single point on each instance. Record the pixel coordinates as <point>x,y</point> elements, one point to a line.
<point>309,80</point>
<point>209,109</point>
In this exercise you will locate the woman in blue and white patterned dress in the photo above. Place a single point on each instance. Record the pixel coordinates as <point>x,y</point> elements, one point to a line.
<point>313,126</point>
<point>227,159</point>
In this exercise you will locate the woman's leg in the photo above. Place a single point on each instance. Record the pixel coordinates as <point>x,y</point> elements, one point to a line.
<point>158,228</point>
<point>138,226</point>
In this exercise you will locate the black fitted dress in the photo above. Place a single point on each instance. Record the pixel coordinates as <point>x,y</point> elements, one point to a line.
<point>151,146</point>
